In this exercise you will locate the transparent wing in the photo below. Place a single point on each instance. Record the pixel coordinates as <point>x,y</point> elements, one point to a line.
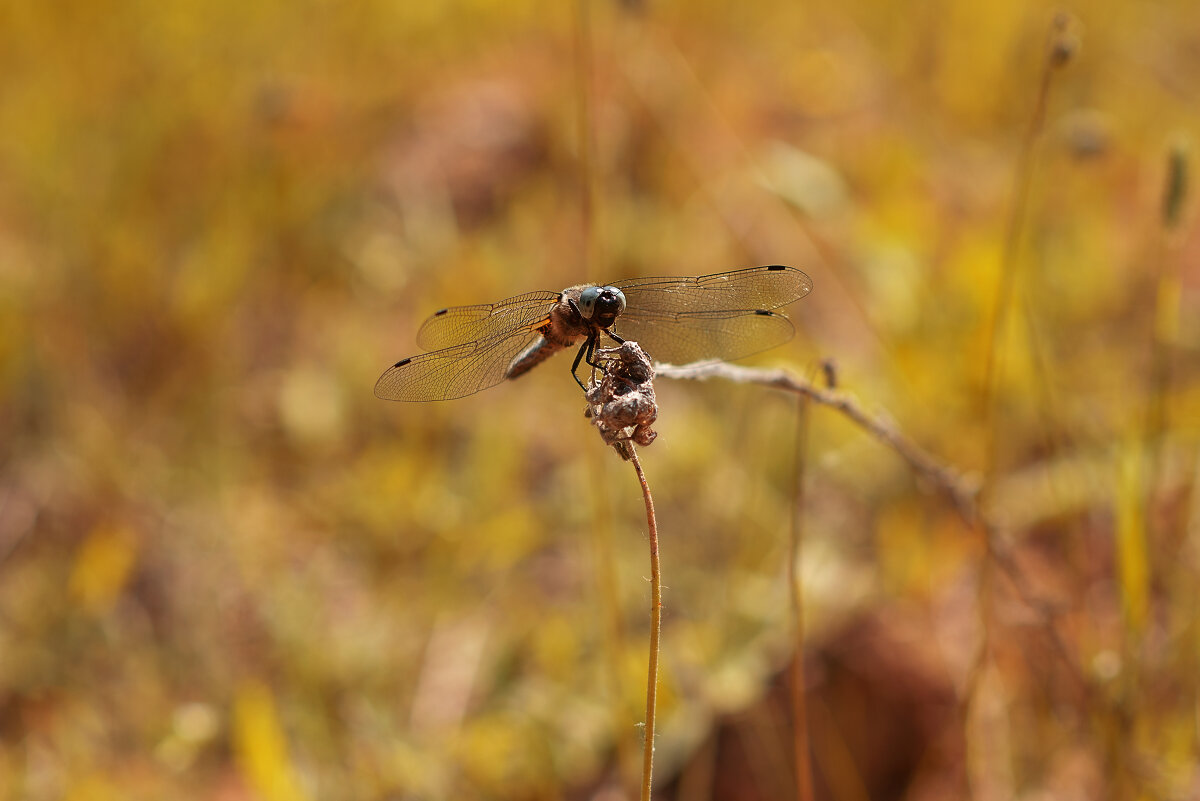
<point>460,325</point>
<point>746,290</point>
<point>454,372</point>
<point>687,337</point>
<point>471,348</point>
<point>721,316</point>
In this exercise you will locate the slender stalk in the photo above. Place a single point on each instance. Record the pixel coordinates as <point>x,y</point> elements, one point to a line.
<point>1164,338</point>
<point>587,140</point>
<point>1059,52</point>
<point>1060,49</point>
<point>1166,531</point>
<point>655,627</point>
<point>804,787</point>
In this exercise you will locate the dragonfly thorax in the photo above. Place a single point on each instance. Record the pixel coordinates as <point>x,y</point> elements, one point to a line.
<point>601,305</point>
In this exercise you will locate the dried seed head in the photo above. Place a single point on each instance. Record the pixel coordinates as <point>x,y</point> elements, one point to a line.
<point>1176,189</point>
<point>1064,41</point>
<point>829,368</point>
<point>621,404</point>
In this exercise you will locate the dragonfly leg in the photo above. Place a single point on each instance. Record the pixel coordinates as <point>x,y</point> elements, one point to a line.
<point>585,349</point>
<point>588,351</point>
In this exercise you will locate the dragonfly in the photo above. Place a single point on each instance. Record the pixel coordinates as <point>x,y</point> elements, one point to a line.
<point>676,320</point>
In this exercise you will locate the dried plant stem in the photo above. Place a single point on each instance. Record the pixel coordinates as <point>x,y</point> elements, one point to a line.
<point>587,138</point>
<point>804,786</point>
<point>1165,333</point>
<point>1061,47</point>
<point>655,627</point>
<point>959,490</point>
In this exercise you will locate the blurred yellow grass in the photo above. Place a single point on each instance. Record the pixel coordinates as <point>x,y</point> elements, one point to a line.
<point>102,567</point>
<point>261,745</point>
<point>1132,560</point>
<point>220,222</point>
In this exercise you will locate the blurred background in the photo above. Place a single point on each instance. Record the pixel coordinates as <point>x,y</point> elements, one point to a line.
<point>228,571</point>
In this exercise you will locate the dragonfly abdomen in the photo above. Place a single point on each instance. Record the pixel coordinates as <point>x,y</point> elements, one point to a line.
<point>540,350</point>
<point>563,329</point>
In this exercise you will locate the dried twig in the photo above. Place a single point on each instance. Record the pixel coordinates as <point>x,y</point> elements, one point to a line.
<point>961,491</point>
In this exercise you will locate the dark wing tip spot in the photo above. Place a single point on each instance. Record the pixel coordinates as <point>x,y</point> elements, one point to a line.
<point>776,267</point>
<point>440,312</point>
<point>402,362</point>
<point>764,312</point>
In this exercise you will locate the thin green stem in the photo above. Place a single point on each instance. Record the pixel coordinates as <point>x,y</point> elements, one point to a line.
<point>655,628</point>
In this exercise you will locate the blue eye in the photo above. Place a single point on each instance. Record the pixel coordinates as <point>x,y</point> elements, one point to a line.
<point>587,301</point>
<point>600,304</point>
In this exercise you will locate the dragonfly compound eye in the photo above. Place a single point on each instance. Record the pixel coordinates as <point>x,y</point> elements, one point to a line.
<point>612,301</point>
<point>587,301</point>
<point>601,304</point>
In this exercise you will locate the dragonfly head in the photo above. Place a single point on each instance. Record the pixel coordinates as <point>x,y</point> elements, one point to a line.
<point>601,304</point>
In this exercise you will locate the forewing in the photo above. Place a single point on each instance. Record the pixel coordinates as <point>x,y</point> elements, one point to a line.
<point>721,316</point>
<point>454,372</point>
<point>692,337</point>
<point>739,290</point>
<point>461,325</point>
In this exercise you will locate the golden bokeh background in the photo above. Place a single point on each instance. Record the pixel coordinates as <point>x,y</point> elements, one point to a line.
<point>227,571</point>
